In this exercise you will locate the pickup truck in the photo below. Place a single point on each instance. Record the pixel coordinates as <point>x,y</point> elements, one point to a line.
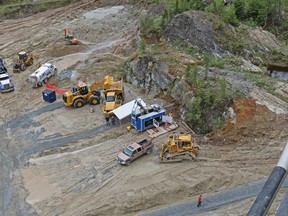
<point>134,151</point>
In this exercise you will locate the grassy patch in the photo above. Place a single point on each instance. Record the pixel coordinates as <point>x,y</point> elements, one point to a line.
<point>22,8</point>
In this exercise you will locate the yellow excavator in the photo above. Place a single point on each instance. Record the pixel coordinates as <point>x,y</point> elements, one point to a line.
<point>81,94</point>
<point>178,147</point>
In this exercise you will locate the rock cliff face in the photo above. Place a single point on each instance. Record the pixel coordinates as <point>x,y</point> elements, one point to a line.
<point>205,33</point>
<point>196,29</point>
<point>149,74</point>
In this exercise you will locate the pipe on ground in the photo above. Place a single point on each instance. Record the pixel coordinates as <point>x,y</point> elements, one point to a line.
<point>266,196</point>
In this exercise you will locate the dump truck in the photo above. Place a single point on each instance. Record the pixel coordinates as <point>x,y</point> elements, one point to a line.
<point>178,147</point>
<point>134,151</point>
<point>113,96</point>
<point>81,94</point>
<point>24,59</point>
<point>42,74</point>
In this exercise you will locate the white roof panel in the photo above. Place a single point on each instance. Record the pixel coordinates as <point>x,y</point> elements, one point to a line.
<point>126,109</point>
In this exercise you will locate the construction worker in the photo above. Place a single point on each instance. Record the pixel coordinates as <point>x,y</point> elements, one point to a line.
<point>199,200</point>
<point>113,120</point>
<point>107,120</point>
<point>214,72</point>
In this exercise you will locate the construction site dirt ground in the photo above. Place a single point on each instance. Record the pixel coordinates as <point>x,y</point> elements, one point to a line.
<point>56,160</point>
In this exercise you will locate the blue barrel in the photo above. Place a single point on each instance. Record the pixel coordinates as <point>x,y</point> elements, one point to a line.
<point>49,95</point>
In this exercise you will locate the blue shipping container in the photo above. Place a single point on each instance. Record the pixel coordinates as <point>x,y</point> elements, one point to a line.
<point>49,95</point>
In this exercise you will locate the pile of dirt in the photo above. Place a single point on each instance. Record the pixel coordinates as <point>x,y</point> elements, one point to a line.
<point>252,122</point>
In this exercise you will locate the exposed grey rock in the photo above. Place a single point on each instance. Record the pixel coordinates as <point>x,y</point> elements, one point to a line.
<point>160,75</point>
<point>179,89</point>
<point>230,115</point>
<point>149,74</point>
<point>187,98</point>
<point>196,29</point>
<point>248,66</point>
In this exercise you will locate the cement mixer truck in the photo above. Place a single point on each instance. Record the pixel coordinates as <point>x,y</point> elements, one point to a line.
<point>42,74</point>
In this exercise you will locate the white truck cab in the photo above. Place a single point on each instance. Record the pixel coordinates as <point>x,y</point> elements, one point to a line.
<point>5,83</point>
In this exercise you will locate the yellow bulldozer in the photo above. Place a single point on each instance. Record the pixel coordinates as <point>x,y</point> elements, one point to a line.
<point>24,59</point>
<point>81,94</point>
<point>113,95</point>
<point>178,147</point>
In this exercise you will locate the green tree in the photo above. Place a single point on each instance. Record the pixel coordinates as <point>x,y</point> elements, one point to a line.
<point>217,7</point>
<point>240,9</point>
<point>257,10</point>
<point>197,5</point>
<point>206,64</point>
<point>142,48</point>
<point>229,15</point>
<point>222,92</point>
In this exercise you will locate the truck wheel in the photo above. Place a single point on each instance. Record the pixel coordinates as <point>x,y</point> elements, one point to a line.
<point>94,100</point>
<point>128,163</point>
<point>54,71</point>
<point>30,62</point>
<point>149,151</point>
<point>78,103</point>
<point>22,67</point>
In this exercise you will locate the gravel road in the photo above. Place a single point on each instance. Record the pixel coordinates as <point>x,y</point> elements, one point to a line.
<point>213,201</point>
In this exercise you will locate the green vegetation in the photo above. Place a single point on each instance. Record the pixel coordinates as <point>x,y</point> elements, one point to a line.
<point>266,83</point>
<point>267,13</point>
<point>12,9</point>
<point>142,49</point>
<point>210,101</point>
<point>151,25</point>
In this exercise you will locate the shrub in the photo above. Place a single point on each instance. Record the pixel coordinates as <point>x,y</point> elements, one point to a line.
<point>151,25</point>
<point>206,108</point>
<point>229,15</point>
<point>142,48</point>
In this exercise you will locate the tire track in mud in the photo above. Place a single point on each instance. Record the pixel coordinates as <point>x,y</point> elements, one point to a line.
<point>26,145</point>
<point>29,144</point>
<point>11,191</point>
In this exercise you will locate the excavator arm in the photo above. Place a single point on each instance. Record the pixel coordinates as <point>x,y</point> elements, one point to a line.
<point>96,85</point>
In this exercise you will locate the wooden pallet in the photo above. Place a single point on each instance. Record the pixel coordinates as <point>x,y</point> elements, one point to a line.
<point>161,130</point>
